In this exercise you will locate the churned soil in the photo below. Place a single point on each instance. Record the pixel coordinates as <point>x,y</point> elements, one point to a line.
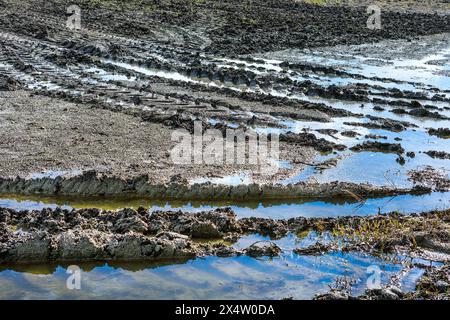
<point>48,137</point>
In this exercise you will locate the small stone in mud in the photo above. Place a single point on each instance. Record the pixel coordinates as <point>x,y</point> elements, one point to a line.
<point>263,248</point>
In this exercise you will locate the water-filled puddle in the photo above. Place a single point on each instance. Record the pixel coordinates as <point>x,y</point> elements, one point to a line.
<point>281,209</point>
<point>231,180</point>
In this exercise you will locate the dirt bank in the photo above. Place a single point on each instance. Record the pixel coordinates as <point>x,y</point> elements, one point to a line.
<point>88,234</point>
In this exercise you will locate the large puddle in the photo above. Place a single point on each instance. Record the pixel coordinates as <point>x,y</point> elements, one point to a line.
<point>242,277</point>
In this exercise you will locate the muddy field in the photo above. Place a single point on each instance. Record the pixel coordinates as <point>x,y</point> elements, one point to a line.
<point>87,119</point>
